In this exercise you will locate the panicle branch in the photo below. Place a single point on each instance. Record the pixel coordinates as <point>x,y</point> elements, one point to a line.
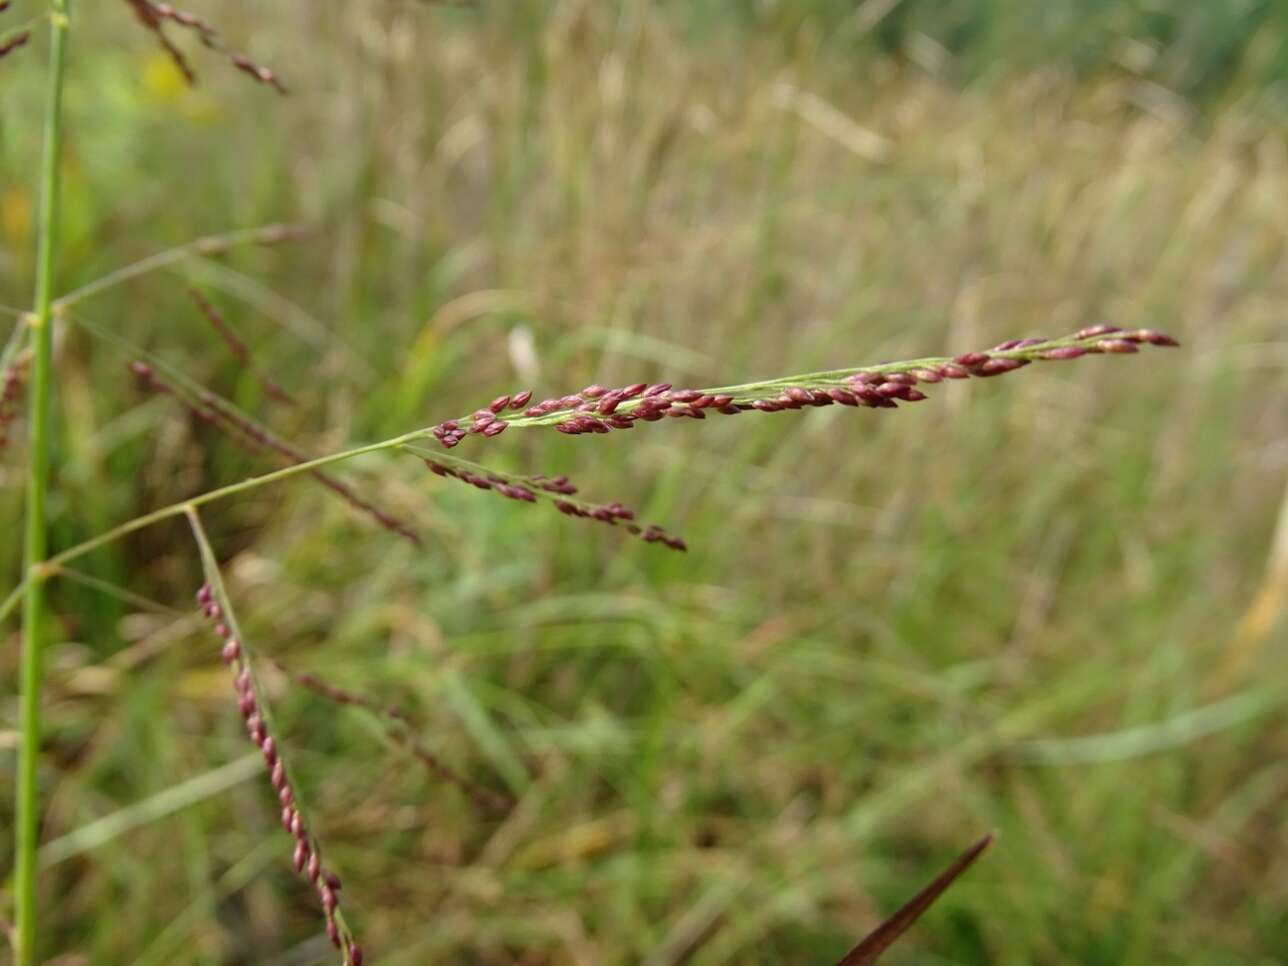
<point>307,856</point>
<point>557,491</point>
<point>239,349</point>
<point>12,42</point>
<point>216,607</point>
<point>154,16</point>
<point>598,409</point>
<point>209,408</point>
<point>398,728</point>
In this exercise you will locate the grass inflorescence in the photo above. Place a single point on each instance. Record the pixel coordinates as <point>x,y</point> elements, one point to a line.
<point>847,669</point>
<point>597,409</point>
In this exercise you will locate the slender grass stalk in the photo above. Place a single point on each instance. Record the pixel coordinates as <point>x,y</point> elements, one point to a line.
<point>26,828</point>
<point>206,245</point>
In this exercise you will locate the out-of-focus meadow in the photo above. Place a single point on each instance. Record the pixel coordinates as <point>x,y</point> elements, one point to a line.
<point>1046,605</point>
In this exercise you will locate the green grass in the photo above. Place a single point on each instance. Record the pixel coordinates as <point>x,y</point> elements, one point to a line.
<point>893,631</point>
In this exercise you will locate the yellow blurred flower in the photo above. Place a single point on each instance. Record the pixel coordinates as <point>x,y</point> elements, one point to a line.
<point>15,216</point>
<point>162,79</point>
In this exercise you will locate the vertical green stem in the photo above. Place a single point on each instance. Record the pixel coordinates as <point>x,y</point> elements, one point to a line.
<point>27,829</point>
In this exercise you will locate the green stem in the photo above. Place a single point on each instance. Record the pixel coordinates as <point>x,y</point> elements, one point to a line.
<point>51,566</point>
<point>27,826</point>
<point>206,245</point>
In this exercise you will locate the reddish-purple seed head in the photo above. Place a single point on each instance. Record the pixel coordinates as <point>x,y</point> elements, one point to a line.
<point>498,404</point>
<point>593,391</point>
<point>301,856</point>
<point>521,399</point>
<point>231,651</point>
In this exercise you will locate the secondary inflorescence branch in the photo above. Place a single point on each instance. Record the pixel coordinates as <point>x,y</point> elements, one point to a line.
<point>154,17</point>
<point>209,408</point>
<point>240,351</point>
<point>557,491</point>
<point>307,856</point>
<point>598,409</point>
<point>398,728</point>
<point>217,609</point>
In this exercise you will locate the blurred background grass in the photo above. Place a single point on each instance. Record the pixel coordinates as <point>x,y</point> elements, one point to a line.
<point>1047,605</point>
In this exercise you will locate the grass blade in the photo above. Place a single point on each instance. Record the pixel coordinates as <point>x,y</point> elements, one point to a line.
<point>884,936</point>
